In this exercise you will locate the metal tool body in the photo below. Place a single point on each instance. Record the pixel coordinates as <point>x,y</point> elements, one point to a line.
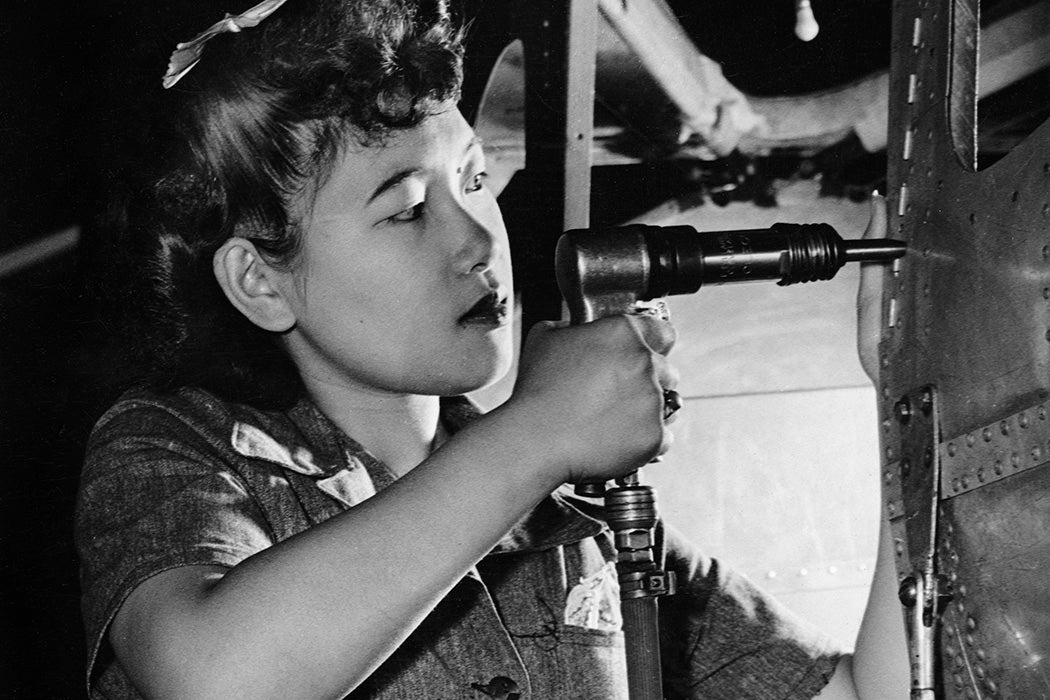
<point>606,272</point>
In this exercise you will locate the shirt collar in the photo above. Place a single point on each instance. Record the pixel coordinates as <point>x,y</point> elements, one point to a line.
<point>312,445</point>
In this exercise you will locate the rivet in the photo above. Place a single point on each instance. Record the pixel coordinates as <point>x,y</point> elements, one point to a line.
<point>962,591</point>
<point>1036,453</point>
<point>1004,427</point>
<point>1023,420</point>
<point>965,483</point>
<point>907,593</point>
<point>980,474</point>
<point>971,623</point>
<point>980,655</point>
<point>771,574</point>
<point>888,477</point>
<point>803,572</point>
<point>952,449</point>
<point>955,484</point>
<point>979,671</point>
<point>970,439</point>
<point>973,217</point>
<point>969,640</point>
<point>1015,461</point>
<point>958,661</point>
<point>1041,412</point>
<point>991,685</point>
<point>891,507</point>
<point>926,398</point>
<point>987,434</point>
<point>998,466</point>
<point>1046,292</point>
<point>902,409</point>
<point>958,679</point>
<point>905,468</point>
<point>1015,196</point>
<point>899,547</point>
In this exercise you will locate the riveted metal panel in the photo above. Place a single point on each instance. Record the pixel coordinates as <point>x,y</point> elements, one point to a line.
<point>968,312</point>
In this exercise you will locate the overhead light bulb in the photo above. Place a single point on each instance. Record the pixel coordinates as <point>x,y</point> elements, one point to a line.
<point>806,27</point>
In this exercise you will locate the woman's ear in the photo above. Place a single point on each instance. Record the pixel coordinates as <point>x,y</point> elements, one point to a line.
<point>253,285</point>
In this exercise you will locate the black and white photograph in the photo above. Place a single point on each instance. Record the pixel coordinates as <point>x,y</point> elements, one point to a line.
<point>525,349</point>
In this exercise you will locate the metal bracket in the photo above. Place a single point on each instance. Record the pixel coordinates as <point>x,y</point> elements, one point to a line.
<point>913,495</point>
<point>996,451</point>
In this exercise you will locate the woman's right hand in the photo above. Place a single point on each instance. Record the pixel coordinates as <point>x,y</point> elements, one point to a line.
<point>592,395</point>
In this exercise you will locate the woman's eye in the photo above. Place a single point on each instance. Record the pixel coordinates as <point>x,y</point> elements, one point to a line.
<point>477,182</point>
<point>410,214</point>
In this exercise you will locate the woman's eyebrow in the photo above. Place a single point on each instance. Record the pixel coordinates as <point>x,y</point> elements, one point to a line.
<point>392,182</point>
<point>399,177</point>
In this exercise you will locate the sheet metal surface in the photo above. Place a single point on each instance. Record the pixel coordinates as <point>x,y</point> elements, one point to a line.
<point>968,312</point>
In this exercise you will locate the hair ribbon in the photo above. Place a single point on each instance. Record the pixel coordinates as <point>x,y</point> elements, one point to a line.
<point>188,53</point>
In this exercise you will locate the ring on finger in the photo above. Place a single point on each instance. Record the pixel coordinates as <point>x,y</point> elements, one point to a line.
<point>672,402</point>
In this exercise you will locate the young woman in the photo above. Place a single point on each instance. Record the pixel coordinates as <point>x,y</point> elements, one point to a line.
<point>298,503</point>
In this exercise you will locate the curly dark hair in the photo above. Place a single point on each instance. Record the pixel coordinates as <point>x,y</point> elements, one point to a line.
<point>246,132</point>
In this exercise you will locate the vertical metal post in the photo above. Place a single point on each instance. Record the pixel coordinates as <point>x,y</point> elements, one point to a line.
<point>579,116</point>
<point>553,192</point>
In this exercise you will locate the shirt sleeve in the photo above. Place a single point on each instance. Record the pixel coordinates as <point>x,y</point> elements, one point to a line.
<point>724,638</point>
<point>154,495</point>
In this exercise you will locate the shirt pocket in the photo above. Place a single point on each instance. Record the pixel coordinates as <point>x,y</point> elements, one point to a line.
<point>584,664</point>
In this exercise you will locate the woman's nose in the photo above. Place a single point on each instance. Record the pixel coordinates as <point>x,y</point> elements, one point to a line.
<point>479,242</point>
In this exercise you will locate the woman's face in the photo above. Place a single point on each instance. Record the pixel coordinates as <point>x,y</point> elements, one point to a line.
<point>403,284</point>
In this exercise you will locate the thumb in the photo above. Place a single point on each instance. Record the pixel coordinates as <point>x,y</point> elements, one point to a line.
<point>869,295</point>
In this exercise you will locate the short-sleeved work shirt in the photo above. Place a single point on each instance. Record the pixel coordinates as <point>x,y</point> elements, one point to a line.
<point>188,479</point>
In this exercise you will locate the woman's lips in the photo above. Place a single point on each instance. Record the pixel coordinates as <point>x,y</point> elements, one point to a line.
<point>489,311</point>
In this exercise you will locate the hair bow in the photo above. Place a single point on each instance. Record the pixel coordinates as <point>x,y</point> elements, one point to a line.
<point>188,53</point>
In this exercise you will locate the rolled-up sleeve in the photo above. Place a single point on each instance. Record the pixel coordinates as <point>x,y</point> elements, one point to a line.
<point>154,495</point>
